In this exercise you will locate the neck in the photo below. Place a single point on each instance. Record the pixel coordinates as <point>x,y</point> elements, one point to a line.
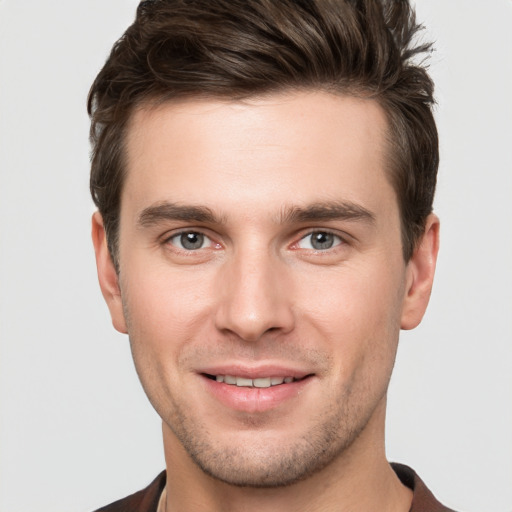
<point>359,479</point>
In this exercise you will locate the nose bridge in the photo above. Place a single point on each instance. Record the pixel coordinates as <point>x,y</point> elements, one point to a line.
<point>254,297</point>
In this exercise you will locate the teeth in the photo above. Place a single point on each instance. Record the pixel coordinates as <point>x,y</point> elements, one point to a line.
<point>264,382</point>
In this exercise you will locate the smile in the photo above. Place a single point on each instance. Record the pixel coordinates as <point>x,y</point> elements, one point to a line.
<point>264,382</point>
<point>256,390</point>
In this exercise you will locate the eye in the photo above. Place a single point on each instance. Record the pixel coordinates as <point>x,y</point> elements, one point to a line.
<point>319,241</point>
<point>190,241</point>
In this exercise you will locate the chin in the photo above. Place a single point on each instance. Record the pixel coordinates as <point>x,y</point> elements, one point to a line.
<point>268,463</point>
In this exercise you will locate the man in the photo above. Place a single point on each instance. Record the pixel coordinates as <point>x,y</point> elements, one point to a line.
<point>264,173</point>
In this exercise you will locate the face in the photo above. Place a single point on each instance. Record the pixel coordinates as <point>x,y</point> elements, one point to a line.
<point>262,281</point>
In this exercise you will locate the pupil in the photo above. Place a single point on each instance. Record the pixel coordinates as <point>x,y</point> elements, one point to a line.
<point>192,240</point>
<point>322,240</point>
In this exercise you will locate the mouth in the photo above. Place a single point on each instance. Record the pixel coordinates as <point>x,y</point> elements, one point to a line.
<point>249,389</point>
<point>260,382</point>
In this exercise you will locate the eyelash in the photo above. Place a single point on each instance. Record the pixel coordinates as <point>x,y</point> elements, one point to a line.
<point>338,240</point>
<point>180,234</point>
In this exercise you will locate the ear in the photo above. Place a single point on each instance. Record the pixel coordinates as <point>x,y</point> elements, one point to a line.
<point>107,274</point>
<point>420,275</point>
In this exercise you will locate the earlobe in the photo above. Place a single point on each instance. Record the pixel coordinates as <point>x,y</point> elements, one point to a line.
<point>107,274</point>
<point>420,275</point>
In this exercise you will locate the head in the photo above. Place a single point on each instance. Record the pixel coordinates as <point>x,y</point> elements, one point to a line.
<point>264,174</point>
<point>250,48</point>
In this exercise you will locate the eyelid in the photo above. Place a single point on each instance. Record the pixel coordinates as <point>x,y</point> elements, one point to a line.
<point>342,239</point>
<point>166,239</point>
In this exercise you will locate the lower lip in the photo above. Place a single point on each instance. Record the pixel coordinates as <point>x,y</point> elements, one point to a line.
<point>246,399</point>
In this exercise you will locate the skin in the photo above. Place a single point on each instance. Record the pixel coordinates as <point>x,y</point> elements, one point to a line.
<point>258,180</point>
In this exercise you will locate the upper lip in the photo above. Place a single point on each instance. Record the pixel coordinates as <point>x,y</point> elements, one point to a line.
<point>255,372</point>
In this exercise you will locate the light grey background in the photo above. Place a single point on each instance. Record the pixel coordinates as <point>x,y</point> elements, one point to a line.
<point>76,430</point>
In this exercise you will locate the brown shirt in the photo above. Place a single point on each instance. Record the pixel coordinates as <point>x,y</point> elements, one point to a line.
<point>147,499</point>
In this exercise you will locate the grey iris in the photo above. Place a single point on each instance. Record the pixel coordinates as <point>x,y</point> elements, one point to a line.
<point>321,240</point>
<point>191,241</point>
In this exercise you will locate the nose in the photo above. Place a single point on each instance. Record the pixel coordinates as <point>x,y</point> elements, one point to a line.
<point>255,297</point>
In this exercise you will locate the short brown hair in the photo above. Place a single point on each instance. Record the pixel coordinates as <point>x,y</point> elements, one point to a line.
<point>240,48</point>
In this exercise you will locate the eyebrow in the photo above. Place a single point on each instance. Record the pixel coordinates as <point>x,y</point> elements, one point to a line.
<point>325,211</point>
<point>321,211</point>
<point>166,211</point>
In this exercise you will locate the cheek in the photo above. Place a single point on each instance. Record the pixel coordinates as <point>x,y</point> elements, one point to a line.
<point>165,312</point>
<point>166,306</point>
<point>350,299</point>
<point>357,312</point>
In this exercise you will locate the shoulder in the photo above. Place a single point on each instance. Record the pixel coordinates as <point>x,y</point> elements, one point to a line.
<point>145,500</point>
<point>423,500</point>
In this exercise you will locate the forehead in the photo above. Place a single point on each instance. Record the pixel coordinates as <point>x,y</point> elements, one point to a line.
<point>288,148</point>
